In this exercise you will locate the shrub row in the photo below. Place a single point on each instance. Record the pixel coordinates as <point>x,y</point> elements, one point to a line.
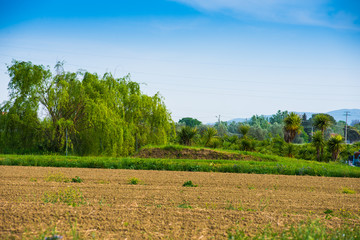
<point>282,166</point>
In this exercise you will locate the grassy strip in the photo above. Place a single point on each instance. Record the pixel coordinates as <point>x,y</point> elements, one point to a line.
<point>312,229</point>
<point>284,166</point>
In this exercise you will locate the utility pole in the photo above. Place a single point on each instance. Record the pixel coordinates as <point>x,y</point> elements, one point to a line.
<point>347,113</point>
<point>218,117</point>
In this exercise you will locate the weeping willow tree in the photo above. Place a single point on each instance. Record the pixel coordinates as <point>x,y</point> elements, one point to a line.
<point>98,115</point>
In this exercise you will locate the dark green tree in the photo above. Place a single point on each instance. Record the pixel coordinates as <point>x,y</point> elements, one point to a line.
<point>191,122</point>
<point>335,145</point>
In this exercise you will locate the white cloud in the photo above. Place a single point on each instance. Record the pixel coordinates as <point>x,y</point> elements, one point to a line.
<point>302,12</point>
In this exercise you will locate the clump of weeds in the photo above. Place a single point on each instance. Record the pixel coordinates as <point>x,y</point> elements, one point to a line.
<point>230,206</point>
<point>263,204</point>
<point>33,180</point>
<point>103,182</point>
<point>76,179</point>
<point>347,190</point>
<point>134,181</point>
<point>56,177</point>
<point>189,184</point>
<point>185,204</point>
<point>70,196</point>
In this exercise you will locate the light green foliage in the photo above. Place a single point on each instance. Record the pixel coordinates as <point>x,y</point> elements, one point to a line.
<point>259,121</point>
<point>347,190</point>
<point>244,130</point>
<point>56,177</point>
<point>278,117</point>
<point>101,116</point>
<point>70,196</point>
<point>257,133</point>
<point>134,181</point>
<point>261,164</point>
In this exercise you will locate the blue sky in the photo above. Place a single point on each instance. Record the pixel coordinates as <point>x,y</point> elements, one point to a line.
<point>205,57</point>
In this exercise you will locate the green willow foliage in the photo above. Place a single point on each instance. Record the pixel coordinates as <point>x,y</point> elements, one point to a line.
<point>101,116</point>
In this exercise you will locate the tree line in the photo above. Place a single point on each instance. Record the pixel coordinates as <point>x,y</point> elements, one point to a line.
<point>55,111</point>
<point>286,134</point>
<point>90,115</point>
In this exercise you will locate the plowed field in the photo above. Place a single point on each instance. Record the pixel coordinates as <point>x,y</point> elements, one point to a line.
<point>159,207</point>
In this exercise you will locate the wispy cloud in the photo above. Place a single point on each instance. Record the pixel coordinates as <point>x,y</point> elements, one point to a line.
<point>300,12</point>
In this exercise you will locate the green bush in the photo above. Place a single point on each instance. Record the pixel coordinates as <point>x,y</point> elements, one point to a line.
<point>134,181</point>
<point>189,184</point>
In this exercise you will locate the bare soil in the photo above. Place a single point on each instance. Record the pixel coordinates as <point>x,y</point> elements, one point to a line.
<point>189,153</point>
<point>159,207</point>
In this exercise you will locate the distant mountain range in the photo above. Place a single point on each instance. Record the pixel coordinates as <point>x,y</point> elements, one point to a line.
<point>339,115</point>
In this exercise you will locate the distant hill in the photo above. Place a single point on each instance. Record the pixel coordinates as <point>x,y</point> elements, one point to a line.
<point>339,115</point>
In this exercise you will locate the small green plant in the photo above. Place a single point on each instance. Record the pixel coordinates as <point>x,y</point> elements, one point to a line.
<point>76,179</point>
<point>328,211</point>
<point>33,180</point>
<point>70,196</point>
<point>75,233</point>
<point>347,190</point>
<point>263,204</point>
<point>189,184</point>
<point>134,181</point>
<point>185,204</point>
<point>56,177</point>
<point>251,187</point>
<point>103,182</point>
<point>229,206</point>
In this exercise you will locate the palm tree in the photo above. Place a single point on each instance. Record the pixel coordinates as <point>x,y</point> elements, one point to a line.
<point>186,135</point>
<point>208,135</point>
<point>318,142</point>
<point>335,145</point>
<point>321,122</point>
<point>292,126</point>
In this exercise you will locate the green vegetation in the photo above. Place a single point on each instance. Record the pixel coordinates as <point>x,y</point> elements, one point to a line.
<point>304,230</point>
<point>189,184</point>
<point>269,164</point>
<point>292,126</point>
<point>85,113</point>
<point>76,179</point>
<point>89,115</point>
<point>185,204</point>
<point>347,190</point>
<point>134,181</point>
<point>70,196</point>
<point>56,177</point>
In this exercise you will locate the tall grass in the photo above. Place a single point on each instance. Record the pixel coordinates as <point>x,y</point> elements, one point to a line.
<point>268,165</point>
